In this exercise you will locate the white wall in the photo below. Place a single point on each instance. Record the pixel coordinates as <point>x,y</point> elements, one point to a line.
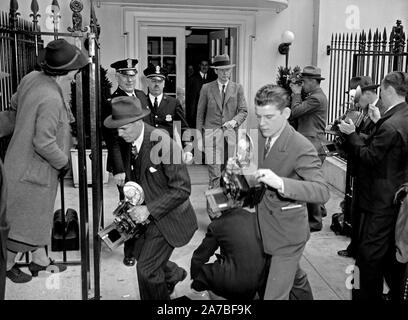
<point>345,16</point>
<point>298,18</point>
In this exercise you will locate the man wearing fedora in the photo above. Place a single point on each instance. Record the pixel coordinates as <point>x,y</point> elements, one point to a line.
<point>221,110</point>
<point>368,97</point>
<point>383,167</point>
<point>38,154</point>
<point>166,186</point>
<point>126,74</point>
<point>311,115</point>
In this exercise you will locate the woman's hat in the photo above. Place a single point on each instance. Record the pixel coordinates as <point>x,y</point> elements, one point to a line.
<point>125,109</point>
<point>312,72</point>
<point>222,62</point>
<point>61,57</point>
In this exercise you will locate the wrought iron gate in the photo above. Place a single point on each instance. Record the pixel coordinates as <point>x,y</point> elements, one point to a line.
<point>20,43</point>
<point>369,54</point>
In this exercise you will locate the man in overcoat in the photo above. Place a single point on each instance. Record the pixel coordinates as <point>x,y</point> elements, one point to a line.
<point>311,116</point>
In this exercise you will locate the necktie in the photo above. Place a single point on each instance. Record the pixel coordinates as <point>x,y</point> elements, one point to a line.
<point>155,105</point>
<point>134,152</point>
<point>223,94</point>
<point>204,76</point>
<point>267,146</point>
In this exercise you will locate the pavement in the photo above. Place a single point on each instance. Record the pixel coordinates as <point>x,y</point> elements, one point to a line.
<point>326,270</point>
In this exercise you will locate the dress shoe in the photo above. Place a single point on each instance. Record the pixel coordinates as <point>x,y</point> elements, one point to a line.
<point>344,253</point>
<point>18,276</point>
<point>35,268</point>
<point>129,261</point>
<point>182,274</point>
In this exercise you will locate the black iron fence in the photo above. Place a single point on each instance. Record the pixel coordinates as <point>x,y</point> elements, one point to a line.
<point>368,53</point>
<point>18,51</point>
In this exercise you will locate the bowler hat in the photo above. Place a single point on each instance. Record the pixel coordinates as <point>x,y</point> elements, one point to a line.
<point>127,66</point>
<point>312,72</point>
<point>366,83</point>
<point>153,71</point>
<point>60,57</point>
<point>125,109</point>
<point>222,62</point>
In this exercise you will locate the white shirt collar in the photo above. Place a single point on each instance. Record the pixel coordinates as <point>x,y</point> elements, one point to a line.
<point>273,139</point>
<point>220,85</point>
<point>138,142</point>
<point>202,75</point>
<point>159,98</point>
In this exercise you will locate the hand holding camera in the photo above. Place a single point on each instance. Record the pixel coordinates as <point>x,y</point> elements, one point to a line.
<point>139,213</point>
<point>347,126</point>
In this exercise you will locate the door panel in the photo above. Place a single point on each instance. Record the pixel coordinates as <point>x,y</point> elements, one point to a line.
<point>164,46</point>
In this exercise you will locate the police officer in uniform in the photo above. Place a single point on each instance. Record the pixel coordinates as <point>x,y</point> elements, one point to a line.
<point>166,111</point>
<point>126,74</point>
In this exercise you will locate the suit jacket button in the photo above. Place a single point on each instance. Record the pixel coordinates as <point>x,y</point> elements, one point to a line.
<point>157,125</point>
<point>156,116</point>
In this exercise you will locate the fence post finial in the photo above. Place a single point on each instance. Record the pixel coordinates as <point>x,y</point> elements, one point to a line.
<point>35,15</point>
<point>76,7</point>
<point>398,37</point>
<point>13,13</point>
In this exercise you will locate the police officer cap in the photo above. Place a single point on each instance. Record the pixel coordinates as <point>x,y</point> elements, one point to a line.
<point>127,66</point>
<point>155,72</point>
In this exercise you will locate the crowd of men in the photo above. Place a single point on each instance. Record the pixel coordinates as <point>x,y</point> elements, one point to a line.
<point>259,251</point>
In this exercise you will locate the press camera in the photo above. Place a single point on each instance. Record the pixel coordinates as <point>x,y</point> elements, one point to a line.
<point>123,226</point>
<point>239,188</point>
<point>353,113</point>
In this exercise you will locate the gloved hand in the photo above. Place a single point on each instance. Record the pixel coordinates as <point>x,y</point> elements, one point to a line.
<point>63,171</point>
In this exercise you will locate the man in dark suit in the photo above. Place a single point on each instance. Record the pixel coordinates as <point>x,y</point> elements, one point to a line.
<point>311,115</point>
<point>221,110</point>
<point>194,84</point>
<point>383,168</point>
<point>239,271</point>
<point>291,170</point>
<point>126,76</point>
<point>166,186</point>
<point>369,97</point>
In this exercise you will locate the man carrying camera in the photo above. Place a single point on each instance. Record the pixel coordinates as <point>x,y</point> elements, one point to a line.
<point>291,170</point>
<point>148,160</point>
<point>383,165</point>
<point>311,115</point>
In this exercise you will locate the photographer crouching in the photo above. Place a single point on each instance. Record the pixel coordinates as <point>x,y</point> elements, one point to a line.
<point>166,187</point>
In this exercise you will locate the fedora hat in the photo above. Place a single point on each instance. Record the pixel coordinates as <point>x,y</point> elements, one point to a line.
<point>125,109</point>
<point>60,57</point>
<point>222,62</point>
<point>312,72</point>
<point>366,83</point>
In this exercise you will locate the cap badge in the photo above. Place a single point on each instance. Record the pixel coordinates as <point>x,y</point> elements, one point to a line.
<point>169,118</point>
<point>129,63</point>
<point>157,69</point>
